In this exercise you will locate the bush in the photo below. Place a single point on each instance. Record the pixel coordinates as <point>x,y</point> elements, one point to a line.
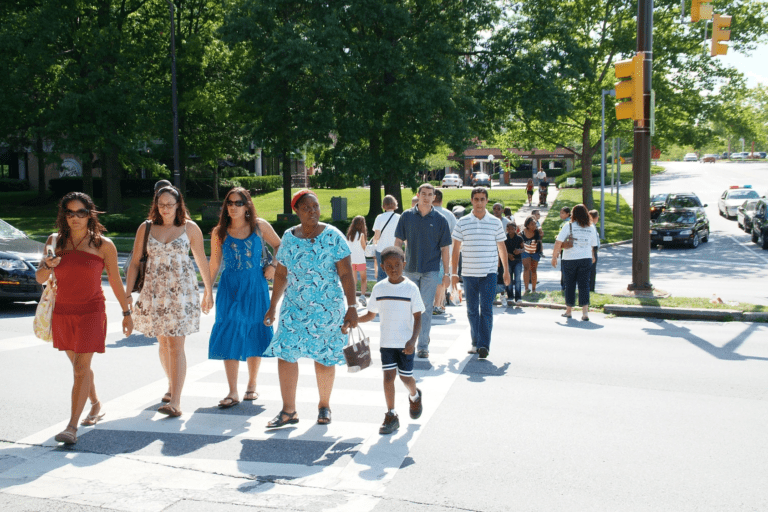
<point>120,223</point>
<point>495,176</point>
<point>10,185</point>
<point>262,184</point>
<point>335,181</point>
<point>436,184</point>
<point>466,203</point>
<point>62,186</point>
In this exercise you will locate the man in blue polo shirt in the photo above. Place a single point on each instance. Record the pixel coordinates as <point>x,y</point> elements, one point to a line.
<point>427,238</point>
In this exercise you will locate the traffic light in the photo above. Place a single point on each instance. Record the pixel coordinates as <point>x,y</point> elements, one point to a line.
<point>720,33</point>
<point>701,10</point>
<point>631,89</point>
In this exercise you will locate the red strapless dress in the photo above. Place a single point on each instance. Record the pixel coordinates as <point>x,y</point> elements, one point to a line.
<point>79,321</point>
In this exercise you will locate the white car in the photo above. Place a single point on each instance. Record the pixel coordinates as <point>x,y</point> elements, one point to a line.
<point>739,156</point>
<point>690,157</point>
<point>452,180</point>
<point>732,198</point>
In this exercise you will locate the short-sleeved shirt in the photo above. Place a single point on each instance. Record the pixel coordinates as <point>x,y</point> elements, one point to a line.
<point>513,243</point>
<point>396,305</point>
<point>479,238</point>
<point>426,236</point>
<point>386,220</point>
<point>584,239</point>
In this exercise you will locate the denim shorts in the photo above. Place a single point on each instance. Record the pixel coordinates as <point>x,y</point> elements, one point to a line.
<point>392,358</point>
<point>536,256</point>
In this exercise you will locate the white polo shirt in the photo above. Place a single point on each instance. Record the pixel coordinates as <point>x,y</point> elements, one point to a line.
<point>479,249</point>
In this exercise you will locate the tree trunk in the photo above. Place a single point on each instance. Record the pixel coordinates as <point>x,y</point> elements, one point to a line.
<point>88,174</point>
<point>586,166</point>
<point>111,179</point>
<point>216,182</point>
<point>374,207</point>
<point>40,154</point>
<point>392,188</point>
<point>287,182</point>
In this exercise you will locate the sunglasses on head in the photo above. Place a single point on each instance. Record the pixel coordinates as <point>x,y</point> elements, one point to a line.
<point>239,203</point>
<point>80,214</point>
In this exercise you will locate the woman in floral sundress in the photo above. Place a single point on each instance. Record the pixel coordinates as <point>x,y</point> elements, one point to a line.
<point>168,306</point>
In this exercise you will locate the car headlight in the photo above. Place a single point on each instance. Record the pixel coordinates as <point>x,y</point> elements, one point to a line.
<point>686,232</point>
<point>653,232</point>
<point>7,264</point>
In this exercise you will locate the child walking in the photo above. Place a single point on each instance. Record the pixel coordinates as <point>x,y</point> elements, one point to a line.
<point>398,302</point>
<point>356,239</point>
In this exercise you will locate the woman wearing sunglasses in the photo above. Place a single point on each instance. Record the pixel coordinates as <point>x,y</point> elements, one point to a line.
<point>242,298</point>
<point>79,320</point>
<point>169,305</point>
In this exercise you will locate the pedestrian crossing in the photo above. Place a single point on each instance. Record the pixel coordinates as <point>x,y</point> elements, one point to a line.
<point>139,460</point>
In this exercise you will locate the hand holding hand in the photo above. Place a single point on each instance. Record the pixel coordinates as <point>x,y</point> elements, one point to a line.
<point>127,325</point>
<point>269,317</point>
<point>207,302</point>
<point>350,320</point>
<point>269,272</point>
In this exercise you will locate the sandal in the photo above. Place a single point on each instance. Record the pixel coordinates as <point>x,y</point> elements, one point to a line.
<point>565,315</point>
<point>283,418</point>
<point>92,419</point>
<point>169,410</point>
<point>585,319</point>
<point>323,415</point>
<point>67,436</point>
<point>228,402</point>
<point>166,398</point>
<point>250,395</point>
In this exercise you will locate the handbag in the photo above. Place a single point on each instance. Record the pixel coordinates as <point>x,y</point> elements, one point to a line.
<point>266,256</point>
<point>138,284</point>
<point>568,244</point>
<point>357,353</point>
<point>42,322</point>
<point>370,249</point>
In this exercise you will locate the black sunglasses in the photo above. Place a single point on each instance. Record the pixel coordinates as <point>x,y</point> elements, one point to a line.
<point>80,214</point>
<point>236,203</point>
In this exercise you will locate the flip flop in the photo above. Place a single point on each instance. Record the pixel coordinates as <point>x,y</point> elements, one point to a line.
<point>169,410</point>
<point>166,398</point>
<point>250,395</point>
<point>228,402</point>
<point>564,315</point>
<point>91,419</point>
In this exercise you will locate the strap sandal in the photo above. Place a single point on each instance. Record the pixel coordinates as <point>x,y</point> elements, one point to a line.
<point>323,415</point>
<point>166,398</point>
<point>565,315</point>
<point>228,402</point>
<point>169,410</point>
<point>283,419</point>
<point>250,395</point>
<point>67,436</point>
<point>92,419</point>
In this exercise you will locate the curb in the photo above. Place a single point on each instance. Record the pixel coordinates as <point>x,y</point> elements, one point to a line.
<point>716,315</point>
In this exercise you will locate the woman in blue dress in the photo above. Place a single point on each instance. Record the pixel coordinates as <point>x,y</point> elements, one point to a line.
<point>314,270</point>
<point>243,294</point>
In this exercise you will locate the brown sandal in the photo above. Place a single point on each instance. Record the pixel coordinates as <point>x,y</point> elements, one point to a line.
<point>169,410</point>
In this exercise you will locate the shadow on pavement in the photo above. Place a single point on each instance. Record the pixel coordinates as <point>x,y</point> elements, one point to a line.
<point>725,353</point>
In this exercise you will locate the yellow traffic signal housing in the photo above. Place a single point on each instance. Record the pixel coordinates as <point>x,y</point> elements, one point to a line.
<point>701,10</point>
<point>631,89</point>
<point>720,33</point>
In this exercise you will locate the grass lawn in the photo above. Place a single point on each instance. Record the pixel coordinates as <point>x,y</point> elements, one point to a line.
<point>618,226</point>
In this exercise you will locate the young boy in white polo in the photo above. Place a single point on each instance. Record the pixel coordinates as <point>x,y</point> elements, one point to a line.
<point>398,302</point>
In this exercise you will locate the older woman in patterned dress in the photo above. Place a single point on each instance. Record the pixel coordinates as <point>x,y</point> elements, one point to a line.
<point>314,272</point>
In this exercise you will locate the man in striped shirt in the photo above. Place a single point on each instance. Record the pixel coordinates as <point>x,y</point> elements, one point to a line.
<point>480,238</point>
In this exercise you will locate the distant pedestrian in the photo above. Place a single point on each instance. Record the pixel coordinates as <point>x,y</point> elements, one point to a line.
<point>508,214</point>
<point>529,191</point>
<point>565,217</point>
<point>532,251</point>
<point>595,216</point>
<point>541,176</point>
<point>169,304</point>
<point>356,240</point>
<point>427,238</point>
<point>414,201</point>
<point>480,239</point>
<point>384,231</point>
<point>514,245</point>
<point>577,260</point>
<point>498,212</point>
<point>397,300</point>
<point>439,303</point>
<point>536,214</point>
<point>79,320</point>
<point>239,333</point>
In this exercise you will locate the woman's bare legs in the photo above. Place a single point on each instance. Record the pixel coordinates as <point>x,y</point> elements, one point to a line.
<point>164,353</point>
<point>526,273</point>
<point>325,376</point>
<point>82,387</point>
<point>534,276</point>
<point>176,369</point>
<point>231,367</point>
<point>253,372</point>
<point>289,378</point>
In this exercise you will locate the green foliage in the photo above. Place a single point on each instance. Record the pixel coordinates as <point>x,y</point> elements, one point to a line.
<point>261,184</point>
<point>618,226</point>
<point>11,185</point>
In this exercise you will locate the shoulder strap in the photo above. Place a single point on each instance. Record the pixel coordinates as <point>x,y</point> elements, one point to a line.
<point>389,219</point>
<point>148,225</point>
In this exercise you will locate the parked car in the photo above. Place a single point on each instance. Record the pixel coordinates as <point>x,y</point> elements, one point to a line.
<point>452,180</point>
<point>691,157</point>
<point>763,154</point>
<point>683,200</point>
<point>744,214</point>
<point>739,156</point>
<point>708,159</point>
<point>760,224</point>
<point>733,197</point>
<point>657,205</point>
<point>19,258</point>
<point>680,226</point>
<point>482,180</point>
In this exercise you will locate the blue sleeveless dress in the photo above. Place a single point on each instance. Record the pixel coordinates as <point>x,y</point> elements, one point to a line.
<point>242,300</point>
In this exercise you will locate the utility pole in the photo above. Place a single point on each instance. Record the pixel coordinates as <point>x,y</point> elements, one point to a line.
<point>641,162</point>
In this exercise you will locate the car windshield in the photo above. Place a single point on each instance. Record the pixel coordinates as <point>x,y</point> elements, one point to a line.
<point>658,198</point>
<point>683,202</point>
<point>677,217</point>
<point>743,194</point>
<point>8,232</point>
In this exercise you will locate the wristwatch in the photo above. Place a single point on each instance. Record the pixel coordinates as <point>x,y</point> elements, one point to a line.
<point>127,313</point>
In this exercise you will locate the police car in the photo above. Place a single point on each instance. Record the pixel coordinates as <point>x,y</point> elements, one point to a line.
<point>733,197</point>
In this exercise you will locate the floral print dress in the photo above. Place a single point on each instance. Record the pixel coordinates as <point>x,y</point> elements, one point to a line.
<point>314,305</point>
<point>169,302</point>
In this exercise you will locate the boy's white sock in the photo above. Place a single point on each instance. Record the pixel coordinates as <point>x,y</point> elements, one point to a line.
<point>392,411</point>
<point>414,397</point>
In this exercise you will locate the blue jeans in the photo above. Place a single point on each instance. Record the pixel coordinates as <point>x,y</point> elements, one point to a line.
<point>515,287</point>
<point>479,293</point>
<point>427,283</point>
<point>577,271</point>
<point>381,274</point>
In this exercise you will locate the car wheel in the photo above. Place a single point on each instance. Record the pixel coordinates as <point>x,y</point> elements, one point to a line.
<point>739,224</point>
<point>765,242</point>
<point>654,245</point>
<point>720,212</point>
<point>754,237</point>
<point>705,238</point>
<point>695,240</point>
<point>747,229</point>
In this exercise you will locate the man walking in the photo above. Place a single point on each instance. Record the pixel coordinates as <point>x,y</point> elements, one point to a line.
<point>480,239</point>
<point>498,212</point>
<point>427,239</point>
<point>439,306</point>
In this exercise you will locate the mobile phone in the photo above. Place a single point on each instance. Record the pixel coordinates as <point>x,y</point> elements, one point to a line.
<point>49,251</point>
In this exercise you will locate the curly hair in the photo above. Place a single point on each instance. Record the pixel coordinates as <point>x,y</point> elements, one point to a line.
<point>182,214</point>
<point>580,215</point>
<point>95,228</point>
<point>225,220</point>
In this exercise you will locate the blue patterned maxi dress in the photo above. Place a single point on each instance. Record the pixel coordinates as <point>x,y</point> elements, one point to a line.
<point>314,305</point>
<point>242,299</point>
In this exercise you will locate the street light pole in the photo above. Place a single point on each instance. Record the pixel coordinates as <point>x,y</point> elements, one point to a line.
<point>175,103</point>
<point>611,92</point>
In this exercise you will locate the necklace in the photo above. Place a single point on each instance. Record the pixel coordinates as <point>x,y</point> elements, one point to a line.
<point>311,235</point>
<point>76,245</point>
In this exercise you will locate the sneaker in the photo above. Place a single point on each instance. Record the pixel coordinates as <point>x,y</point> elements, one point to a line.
<point>482,353</point>
<point>423,354</point>
<point>438,310</point>
<point>415,407</point>
<point>472,350</point>
<point>518,302</point>
<point>391,423</point>
<point>362,301</point>
<point>510,302</point>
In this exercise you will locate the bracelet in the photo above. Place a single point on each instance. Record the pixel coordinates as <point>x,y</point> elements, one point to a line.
<point>351,306</point>
<point>127,313</point>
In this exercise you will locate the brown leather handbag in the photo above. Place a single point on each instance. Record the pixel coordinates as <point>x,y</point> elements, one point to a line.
<point>568,243</point>
<point>138,284</point>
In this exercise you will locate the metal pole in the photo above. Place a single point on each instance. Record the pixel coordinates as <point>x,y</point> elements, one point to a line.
<point>611,92</point>
<point>613,164</point>
<point>175,103</point>
<point>618,172</point>
<point>641,159</point>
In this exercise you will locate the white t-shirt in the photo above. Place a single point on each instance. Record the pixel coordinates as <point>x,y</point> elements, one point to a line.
<point>395,304</point>
<point>387,237</point>
<point>541,175</point>
<point>479,249</point>
<point>584,239</point>
<point>358,253</point>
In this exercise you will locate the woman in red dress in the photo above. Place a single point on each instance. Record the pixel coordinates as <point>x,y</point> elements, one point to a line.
<point>79,321</point>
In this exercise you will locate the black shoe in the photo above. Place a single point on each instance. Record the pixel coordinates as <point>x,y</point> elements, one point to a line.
<point>482,353</point>
<point>416,408</point>
<point>391,423</point>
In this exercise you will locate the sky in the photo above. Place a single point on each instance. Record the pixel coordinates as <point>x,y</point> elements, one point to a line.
<point>754,67</point>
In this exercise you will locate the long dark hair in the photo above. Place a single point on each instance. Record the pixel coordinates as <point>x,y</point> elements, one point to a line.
<point>182,214</point>
<point>357,226</point>
<point>225,220</point>
<point>95,229</point>
<point>580,215</point>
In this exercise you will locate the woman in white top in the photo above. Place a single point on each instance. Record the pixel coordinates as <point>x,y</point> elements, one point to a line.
<point>356,239</point>
<point>577,259</point>
<point>384,231</point>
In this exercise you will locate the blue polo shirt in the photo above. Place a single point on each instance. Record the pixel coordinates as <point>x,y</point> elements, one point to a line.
<point>426,236</point>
